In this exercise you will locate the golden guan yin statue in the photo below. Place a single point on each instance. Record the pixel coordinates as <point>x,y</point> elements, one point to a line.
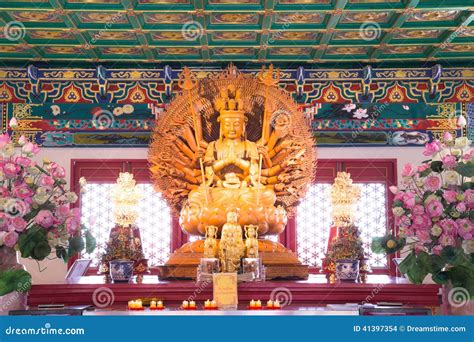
<point>233,142</point>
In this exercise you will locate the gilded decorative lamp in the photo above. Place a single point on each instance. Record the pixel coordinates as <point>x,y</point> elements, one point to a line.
<point>124,255</point>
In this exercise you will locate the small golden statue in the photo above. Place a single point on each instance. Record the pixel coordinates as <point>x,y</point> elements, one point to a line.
<point>210,244</point>
<point>251,242</point>
<point>231,246</point>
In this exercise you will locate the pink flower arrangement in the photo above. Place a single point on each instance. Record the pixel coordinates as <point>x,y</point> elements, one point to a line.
<point>36,204</point>
<point>432,210</point>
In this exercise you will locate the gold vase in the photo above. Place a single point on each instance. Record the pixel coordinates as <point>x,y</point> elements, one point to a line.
<point>13,300</point>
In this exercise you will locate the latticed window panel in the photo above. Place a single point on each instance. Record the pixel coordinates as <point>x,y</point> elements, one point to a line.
<point>313,221</point>
<point>154,221</point>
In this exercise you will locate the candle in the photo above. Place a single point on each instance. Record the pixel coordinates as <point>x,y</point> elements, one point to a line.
<point>192,304</point>
<point>270,304</point>
<point>159,305</point>
<point>258,304</point>
<point>185,304</point>
<point>276,304</point>
<point>207,304</point>
<point>253,304</point>
<point>214,304</point>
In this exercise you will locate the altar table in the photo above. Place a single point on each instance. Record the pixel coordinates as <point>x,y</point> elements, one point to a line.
<point>314,292</point>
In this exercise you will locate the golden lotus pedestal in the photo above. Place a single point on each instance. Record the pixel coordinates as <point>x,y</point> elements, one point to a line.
<point>279,262</point>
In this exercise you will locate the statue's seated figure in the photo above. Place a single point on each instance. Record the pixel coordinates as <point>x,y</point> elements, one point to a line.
<point>232,178</point>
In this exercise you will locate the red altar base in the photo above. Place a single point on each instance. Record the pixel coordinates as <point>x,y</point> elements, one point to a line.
<point>312,292</point>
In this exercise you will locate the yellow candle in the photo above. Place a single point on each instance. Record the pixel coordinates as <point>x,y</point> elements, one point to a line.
<point>252,304</point>
<point>207,304</point>
<point>192,304</point>
<point>214,304</point>
<point>270,304</point>
<point>159,305</point>
<point>258,304</point>
<point>185,304</point>
<point>276,304</point>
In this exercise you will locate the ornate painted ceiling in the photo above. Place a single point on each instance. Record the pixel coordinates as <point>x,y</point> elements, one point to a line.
<point>314,31</point>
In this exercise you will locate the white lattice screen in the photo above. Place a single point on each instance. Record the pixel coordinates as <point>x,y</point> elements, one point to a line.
<point>154,221</point>
<point>313,221</point>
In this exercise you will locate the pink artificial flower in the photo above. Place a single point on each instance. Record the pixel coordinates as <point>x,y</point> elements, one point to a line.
<point>23,140</point>
<point>423,234</point>
<point>18,224</point>
<point>72,225</point>
<point>44,218</point>
<point>393,189</point>
<point>408,200</point>
<point>4,192</point>
<point>432,148</point>
<point>418,210</point>
<point>447,137</point>
<point>23,161</point>
<point>423,167</point>
<point>465,228</point>
<point>449,226</point>
<point>449,161</point>
<point>76,212</point>
<point>46,181</point>
<point>4,139</point>
<point>407,231</point>
<point>22,191</point>
<point>11,170</point>
<point>447,240</point>
<point>402,221</point>
<point>450,196</point>
<point>468,156</point>
<point>433,183</point>
<point>461,207</point>
<point>4,222</point>
<point>434,208</point>
<point>421,222</point>
<point>62,212</point>
<point>29,147</point>
<point>59,172</point>
<point>10,238</point>
<point>17,207</point>
<point>469,198</point>
<point>437,249</point>
<point>408,170</point>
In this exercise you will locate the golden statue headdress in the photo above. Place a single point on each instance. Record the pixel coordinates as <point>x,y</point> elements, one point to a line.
<point>344,197</point>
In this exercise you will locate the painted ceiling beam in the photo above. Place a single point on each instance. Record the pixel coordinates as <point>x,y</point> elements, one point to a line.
<point>203,38</point>
<point>449,36</point>
<point>401,18</point>
<point>4,22</point>
<point>268,18</point>
<point>319,51</point>
<point>129,5</point>
<point>89,48</point>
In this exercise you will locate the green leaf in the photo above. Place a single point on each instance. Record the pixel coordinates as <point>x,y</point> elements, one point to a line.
<point>76,244</point>
<point>14,280</point>
<point>425,173</point>
<point>440,277</point>
<point>467,185</point>
<point>437,166</point>
<point>91,242</point>
<point>407,263</point>
<point>41,251</point>
<point>376,245</point>
<point>61,253</point>
<point>465,169</point>
<point>451,255</point>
